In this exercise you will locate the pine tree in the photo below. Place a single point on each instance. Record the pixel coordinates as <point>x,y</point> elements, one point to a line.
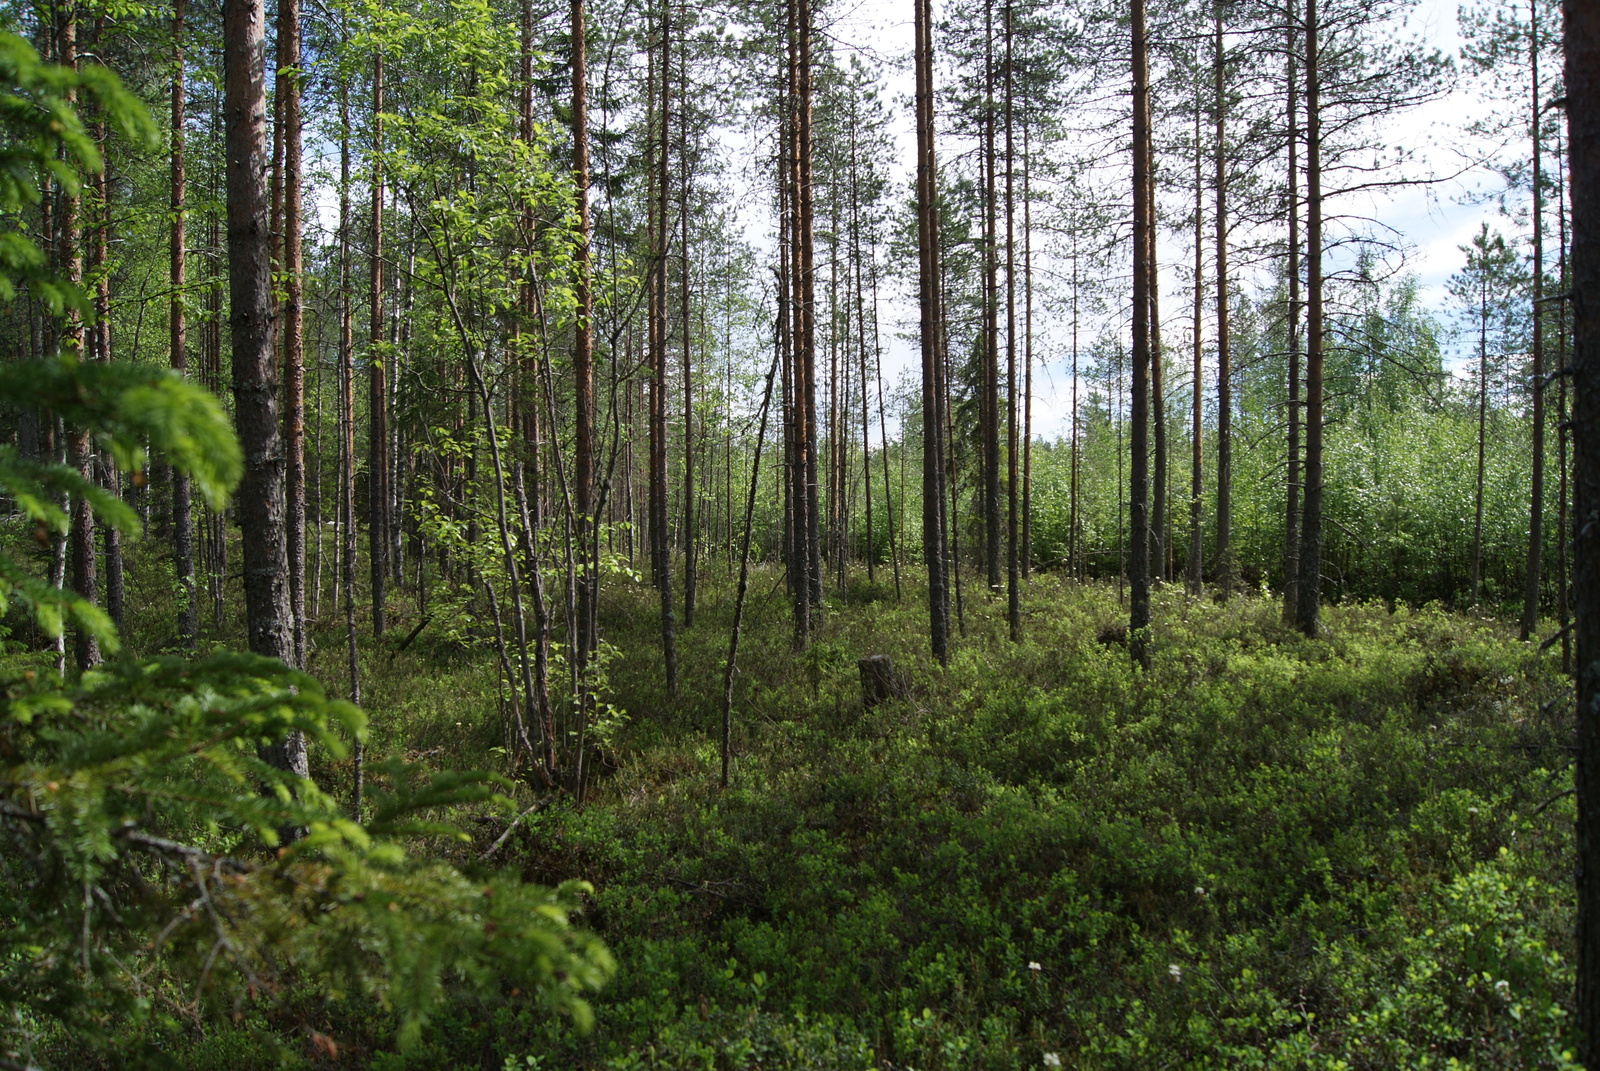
<point>255,386</point>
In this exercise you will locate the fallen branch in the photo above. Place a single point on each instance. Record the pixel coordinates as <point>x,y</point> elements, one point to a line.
<point>535,808</point>
<point>1553,640</point>
<point>1537,811</point>
<point>414,634</point>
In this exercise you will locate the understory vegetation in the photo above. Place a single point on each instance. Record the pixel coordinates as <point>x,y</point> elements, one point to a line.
<point>1267,851</point>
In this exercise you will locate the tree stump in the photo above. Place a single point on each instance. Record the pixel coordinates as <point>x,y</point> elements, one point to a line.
<point>878,680</point>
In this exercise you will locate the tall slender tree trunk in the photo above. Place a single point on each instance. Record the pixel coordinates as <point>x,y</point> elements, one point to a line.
<point>806,270</point>
<point>799,591</point>
<point>80,451</point>
<point>255,388</point>
<point>182,513</point>
<point>1013,579</point>
<point>1291,520</point>
<point>839,325</point>
<point>211,373</point>
<point>1074,563</point>
<point>293,347</point>
<point>1139,521</point>
<point>659,547</point>
<point>377,390</point>
<point>952,475</point>
<point>1563,430</point>
<point>858,272</point>
<point>1530,589</point>
<point>315,609</point>
<point>993,544</point>
<point>1308,617</point>
<point>582,364</point>
<point>1158,410</point>
<point>928,302</point>
<point>689,490</point>
<point>1027,358</point>
<point>1582,39</point>
<point>1197,547</point>
<point>100,347</point>
<point>800,412</point>
<point>1483,414</point>
<point>347,442</point>
<point>883,436</point>
<point>1225,563</point>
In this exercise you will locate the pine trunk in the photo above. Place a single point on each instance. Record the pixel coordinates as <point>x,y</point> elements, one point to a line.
<point>928,302</point>
<point>293,350</point>
<point>1225,564</point>
<point>1583,126</point>
<point>1309,594</point>
<point>1139,522</point>
<point>1291,520</point>
<point>182,512</point>
<point>377,390</point>
<point>255,390</point>
<point>1530,589</point>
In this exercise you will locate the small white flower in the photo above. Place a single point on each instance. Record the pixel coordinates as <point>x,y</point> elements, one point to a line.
<point>1052,1059</point>
<point>1502,989</point>
<point>1472,810</point>
<point>1033,965</point>
<point>1176,972</point>
<point>1199,890</point>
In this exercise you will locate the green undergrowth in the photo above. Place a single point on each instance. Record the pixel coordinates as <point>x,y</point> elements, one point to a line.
<point>1264,852</point>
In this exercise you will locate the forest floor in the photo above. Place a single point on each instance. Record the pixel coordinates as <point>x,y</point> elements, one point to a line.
<point>1266,851</point>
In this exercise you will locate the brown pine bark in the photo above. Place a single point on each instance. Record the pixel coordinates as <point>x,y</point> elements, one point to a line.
<point>800,412</point>
<point>80,452</point>
<point>100,341</point>
<point>883,437</point>
<point>1159,548</point>
<point>347,446</point>
<point>377,388</point>
<point>1027,357</point>
<point>288,93</point>
<point>806,276</point>
<point>689,490</point>
<point>1309,593</point>
<point>859,305</point>
<point>255,389</point>
<point>660,549</point>
<point>182,512</point>
<point>1073,563</point>
<point>1013,589</point>
<point>1583,128</point>
<point>1138,485</point>
<point>1291,520</point>
<point>583,353</point>
<point>1225,563</point>
<point>1563,435</point>
<point>1530,589</point>
<point>990,386</point>
<point>928,302</point>
<point>1483,420</point>
<point>1197,546</point>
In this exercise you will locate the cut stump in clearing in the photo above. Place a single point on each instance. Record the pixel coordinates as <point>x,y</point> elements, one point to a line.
<point>879,681</point>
